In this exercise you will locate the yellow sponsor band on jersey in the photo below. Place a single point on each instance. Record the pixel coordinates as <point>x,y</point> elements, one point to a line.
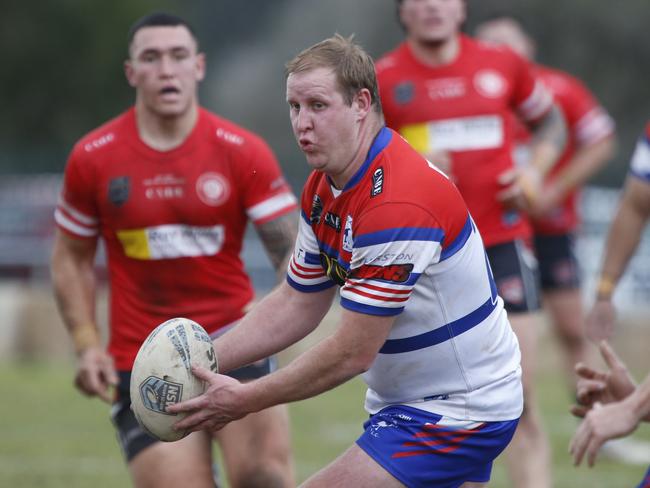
<point>417,135</point>
<point>135,243</point>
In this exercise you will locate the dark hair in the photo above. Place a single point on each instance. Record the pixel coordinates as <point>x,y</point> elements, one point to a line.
<point>158,19</point>
<point>353,67</point>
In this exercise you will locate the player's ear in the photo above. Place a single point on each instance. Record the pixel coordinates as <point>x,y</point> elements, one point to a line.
<point>200,66</point>
<point>362,102</point>
<point>128,72</point>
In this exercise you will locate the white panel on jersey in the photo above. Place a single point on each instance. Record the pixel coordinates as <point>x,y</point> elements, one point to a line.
<point>466,133</point>
<point>172,241</point>
<point>270,206</point>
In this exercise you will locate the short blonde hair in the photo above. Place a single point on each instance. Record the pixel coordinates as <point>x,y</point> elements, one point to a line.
<point>353,67</point>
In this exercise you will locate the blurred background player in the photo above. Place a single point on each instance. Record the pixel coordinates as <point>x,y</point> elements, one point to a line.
<point>590,146</point>
<point>170,187</point>
<point>386,228</point>
<point>454,99</point>
<point>623,238</point>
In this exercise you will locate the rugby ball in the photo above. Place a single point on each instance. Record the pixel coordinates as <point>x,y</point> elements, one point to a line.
<point>162,375</point>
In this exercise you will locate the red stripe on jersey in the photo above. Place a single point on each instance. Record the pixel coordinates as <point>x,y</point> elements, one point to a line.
<point>306,270</point>
<point>379,288</point>
<point>309,276</point>
<point>376,297</point>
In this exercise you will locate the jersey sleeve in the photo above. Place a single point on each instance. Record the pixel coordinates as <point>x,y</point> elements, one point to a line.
<point>305,272</point>
<point>586,118</point>
<point>267,194</point>
<point>392,245</point>
<point>76,211</point>
<point>531,98</point>
<point>640,164</point>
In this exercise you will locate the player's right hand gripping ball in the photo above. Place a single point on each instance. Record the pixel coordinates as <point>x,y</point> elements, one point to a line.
<point>162,375</point>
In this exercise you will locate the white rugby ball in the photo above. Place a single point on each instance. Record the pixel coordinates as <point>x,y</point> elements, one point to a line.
<point>162,376</point>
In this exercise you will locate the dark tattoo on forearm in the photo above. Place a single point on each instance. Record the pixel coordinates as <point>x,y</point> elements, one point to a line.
<point>278,237</point>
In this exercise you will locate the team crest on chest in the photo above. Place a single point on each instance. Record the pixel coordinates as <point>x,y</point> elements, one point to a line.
<point>213,189</point>
<point>403,93</point>
<point>118,190</point>
<point>490,83</point>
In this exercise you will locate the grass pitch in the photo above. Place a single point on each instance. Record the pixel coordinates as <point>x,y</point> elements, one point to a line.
<point>52,437</point>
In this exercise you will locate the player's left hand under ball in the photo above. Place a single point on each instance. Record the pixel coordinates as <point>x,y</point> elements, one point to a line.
<point>213,410</point>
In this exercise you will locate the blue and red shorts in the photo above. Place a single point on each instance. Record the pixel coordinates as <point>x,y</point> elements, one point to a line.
<point>422,449</point>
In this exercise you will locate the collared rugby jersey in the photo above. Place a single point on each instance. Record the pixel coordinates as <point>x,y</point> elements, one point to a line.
<point>465,108</point>
<point>398,240</point>
<point>172,222</point>
<point>640,164</point>
<point>587,123</point>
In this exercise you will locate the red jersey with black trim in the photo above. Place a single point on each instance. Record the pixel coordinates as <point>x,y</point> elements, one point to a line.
<point>465,109</point>
<point>587,123</point>
<point>173,222</point>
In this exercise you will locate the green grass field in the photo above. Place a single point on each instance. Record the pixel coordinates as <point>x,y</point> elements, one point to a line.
<point>51,437</point>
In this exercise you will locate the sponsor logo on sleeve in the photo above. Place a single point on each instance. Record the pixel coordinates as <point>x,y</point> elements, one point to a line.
<point>118,190</point>
<point>397,273</point>
<point>377,182</point>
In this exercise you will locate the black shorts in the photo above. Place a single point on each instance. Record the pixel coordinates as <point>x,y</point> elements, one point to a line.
<point>558,266</point>
<point>514,267</point>
<point>131,437</point>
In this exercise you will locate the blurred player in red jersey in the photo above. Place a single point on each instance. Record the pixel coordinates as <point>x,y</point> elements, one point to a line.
<point>453,99</point>
<point>169,187</point>
<point>555,214</point>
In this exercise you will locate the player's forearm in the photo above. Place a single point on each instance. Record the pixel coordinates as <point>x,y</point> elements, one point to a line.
<point>281,319</point>
<point>278,237</point>
<point>325,366</point>
<point>348,352</point>
<point>586,162</point>
<point>549,140</point>
<point>622,240</point>
<point>74,289</point>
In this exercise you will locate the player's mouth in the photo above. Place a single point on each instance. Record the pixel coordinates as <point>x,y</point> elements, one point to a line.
<point>306,145</point>
<point>169,91</point>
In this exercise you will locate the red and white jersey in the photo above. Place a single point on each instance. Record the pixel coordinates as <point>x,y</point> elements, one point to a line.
<point>640,164</point>
<point>398,240</point>
<point>172,222</point>
<point>587,123</point>
<point>465,108</point>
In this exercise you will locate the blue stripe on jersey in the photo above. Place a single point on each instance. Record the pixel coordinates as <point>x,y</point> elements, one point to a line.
<point>304,217</point>
<point>370,309</point>
<point>311,258</point>
<point>382,139</point>
<point>645,176</point>
<point>399,234</point>
<point>310,288</point>
<point>441,334</point>
<point>458,243</point>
